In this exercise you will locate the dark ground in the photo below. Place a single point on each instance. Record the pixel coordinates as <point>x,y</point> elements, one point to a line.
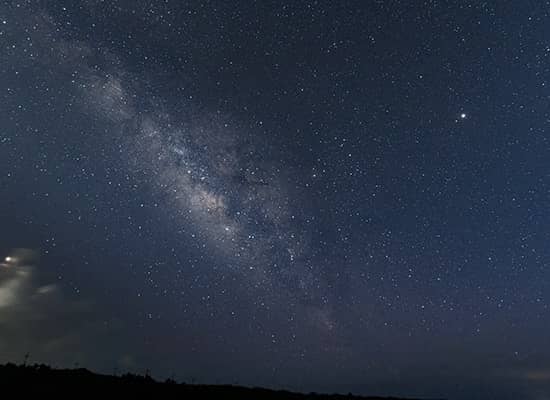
<point>82,381</point>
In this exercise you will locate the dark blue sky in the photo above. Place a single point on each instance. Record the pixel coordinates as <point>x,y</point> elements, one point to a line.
<point>320,196</point>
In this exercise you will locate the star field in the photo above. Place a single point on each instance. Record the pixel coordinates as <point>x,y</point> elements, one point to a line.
<point>319,196</point>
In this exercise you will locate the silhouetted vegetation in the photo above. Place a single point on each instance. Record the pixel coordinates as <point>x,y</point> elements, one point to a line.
<point>80,382</point>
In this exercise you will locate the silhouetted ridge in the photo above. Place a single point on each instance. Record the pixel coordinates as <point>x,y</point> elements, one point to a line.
<point>82,381</point>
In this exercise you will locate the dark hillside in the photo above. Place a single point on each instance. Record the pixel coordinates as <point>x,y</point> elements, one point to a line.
<point>82,381</point>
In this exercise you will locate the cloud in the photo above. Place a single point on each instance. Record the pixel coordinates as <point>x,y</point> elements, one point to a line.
<point>36,317</point>
<point>15,279</point>
<point>11,286</point>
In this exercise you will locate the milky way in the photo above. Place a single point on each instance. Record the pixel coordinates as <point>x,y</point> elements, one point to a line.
<point>216,183</point>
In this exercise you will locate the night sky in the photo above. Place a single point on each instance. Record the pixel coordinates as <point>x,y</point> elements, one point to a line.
<point>317,196</point>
